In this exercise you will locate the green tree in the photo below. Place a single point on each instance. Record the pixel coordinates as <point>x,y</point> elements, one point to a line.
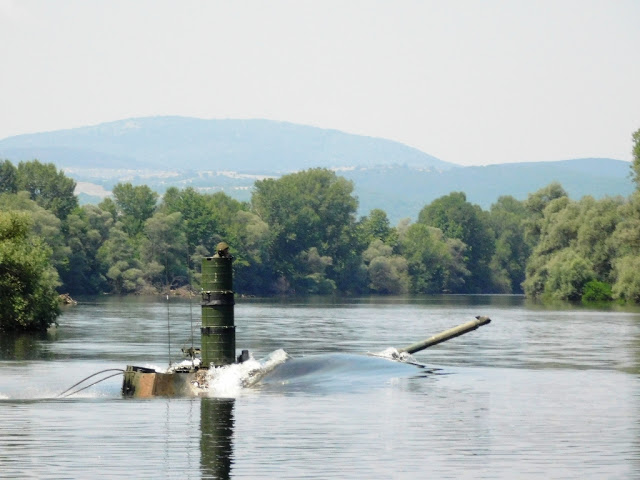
<point>224,211</point>
<point>117,257</point>
<point>596,291</point>
<point>313,208</point>
<point>459,219</point>
<point>163,251</point>
<point>625,242</point>
<point>135,206</point>
<point>28,299</point>
<point>627,286</point>
<point>109,206</point>
<point>635,164</point>
<point>211,218</point>
<point>435,264</point>
<point>376,226</point>
<point>311,277</point>
<point>8,177</point>
<point>199,221</point>
<point>535,204</point>
<point>597,222</point>
<point>568,273</point>
<point>44,224</point>
<point>544,234</point>
<point>249,237</point>
<point>506,219</point>
<point>208,218</point>
<point>88,228</point>
<point>388,273</point>
<point>558,227</point>
<point>626,236</point>
<point>573,236</point>
<point>48,187</point>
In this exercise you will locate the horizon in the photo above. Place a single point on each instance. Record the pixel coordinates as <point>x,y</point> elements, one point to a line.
<point>466,82</point>
<point>629,160</point>
<point>302,125</point>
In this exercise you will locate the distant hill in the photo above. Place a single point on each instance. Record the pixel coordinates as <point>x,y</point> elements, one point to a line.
<point>403,191</point>
<point>229,155</point>
<point>169,143</point>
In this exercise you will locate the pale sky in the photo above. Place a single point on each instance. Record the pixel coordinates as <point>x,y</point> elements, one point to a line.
<point>470,82</point>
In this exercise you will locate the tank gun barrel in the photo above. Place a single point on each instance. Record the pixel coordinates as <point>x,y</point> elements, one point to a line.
<point>446,335</point>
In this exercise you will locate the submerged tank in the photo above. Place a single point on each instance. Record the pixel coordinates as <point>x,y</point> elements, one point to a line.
<point>218,339</point>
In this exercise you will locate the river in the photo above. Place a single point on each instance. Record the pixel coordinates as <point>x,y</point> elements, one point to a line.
<point>541,392</point>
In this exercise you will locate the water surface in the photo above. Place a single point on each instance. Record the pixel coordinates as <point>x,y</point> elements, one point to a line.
<point>541,392</point>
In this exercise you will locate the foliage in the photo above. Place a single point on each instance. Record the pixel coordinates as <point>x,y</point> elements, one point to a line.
<point>535,206</point>
<point>299,234</point>
<point>210,218</point>
<point>435,264</point>
<point>635,151</point>
<point>625,239</point>
<point>87,230</point>
<point>388,273</point>
<point>8,177</point>
<point>117,257</point>
<point>199,221</point>
<point>574,246</point>
<point>163,251</point>
<point>596,291</point>
<point>109,206</point>
<point>506,219</point>
<point>459,219</point>
<point>28,299</point>
<point>313,208</point>
<point>568,273</point>
<point>625,242</point>
<point>135,205</point>
<point>48,187</point>
<point>627,286</point>
<point>249,235</point>
<point>44,225</point>
<point>597,222</point>
<point>376,226</point>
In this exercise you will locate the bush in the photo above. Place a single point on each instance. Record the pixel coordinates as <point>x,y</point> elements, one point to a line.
<point>28,299</point>
<point>567,275</point>
<point>596,291</point>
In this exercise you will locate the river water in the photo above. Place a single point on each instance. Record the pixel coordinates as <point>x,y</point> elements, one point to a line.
<point>541,392</point>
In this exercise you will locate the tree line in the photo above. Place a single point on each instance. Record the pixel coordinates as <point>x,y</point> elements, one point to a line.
<point>300,234</point>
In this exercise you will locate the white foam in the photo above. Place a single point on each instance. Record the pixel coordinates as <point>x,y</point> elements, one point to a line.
<point>228,381</point>
<point>188,363</point>
<point>274,359</point>
<point>155,368</point>
<point>393,354</point>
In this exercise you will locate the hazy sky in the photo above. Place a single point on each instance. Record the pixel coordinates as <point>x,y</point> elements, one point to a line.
<point>470,82</point>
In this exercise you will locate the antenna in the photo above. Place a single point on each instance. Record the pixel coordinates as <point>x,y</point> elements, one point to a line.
<point>190,299</point>
<point>168,287</point>
<point>169,329</point>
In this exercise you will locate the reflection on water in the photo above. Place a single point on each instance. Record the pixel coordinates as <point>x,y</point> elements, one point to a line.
<point>542,392</point>
<point>216,437</point>
<point>21,346</point>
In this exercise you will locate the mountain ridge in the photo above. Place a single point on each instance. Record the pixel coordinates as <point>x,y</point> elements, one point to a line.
<point>214,144</point>
<point>229,155</point>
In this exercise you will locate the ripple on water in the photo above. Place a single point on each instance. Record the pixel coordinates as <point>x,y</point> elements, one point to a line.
<point>536,394</point>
